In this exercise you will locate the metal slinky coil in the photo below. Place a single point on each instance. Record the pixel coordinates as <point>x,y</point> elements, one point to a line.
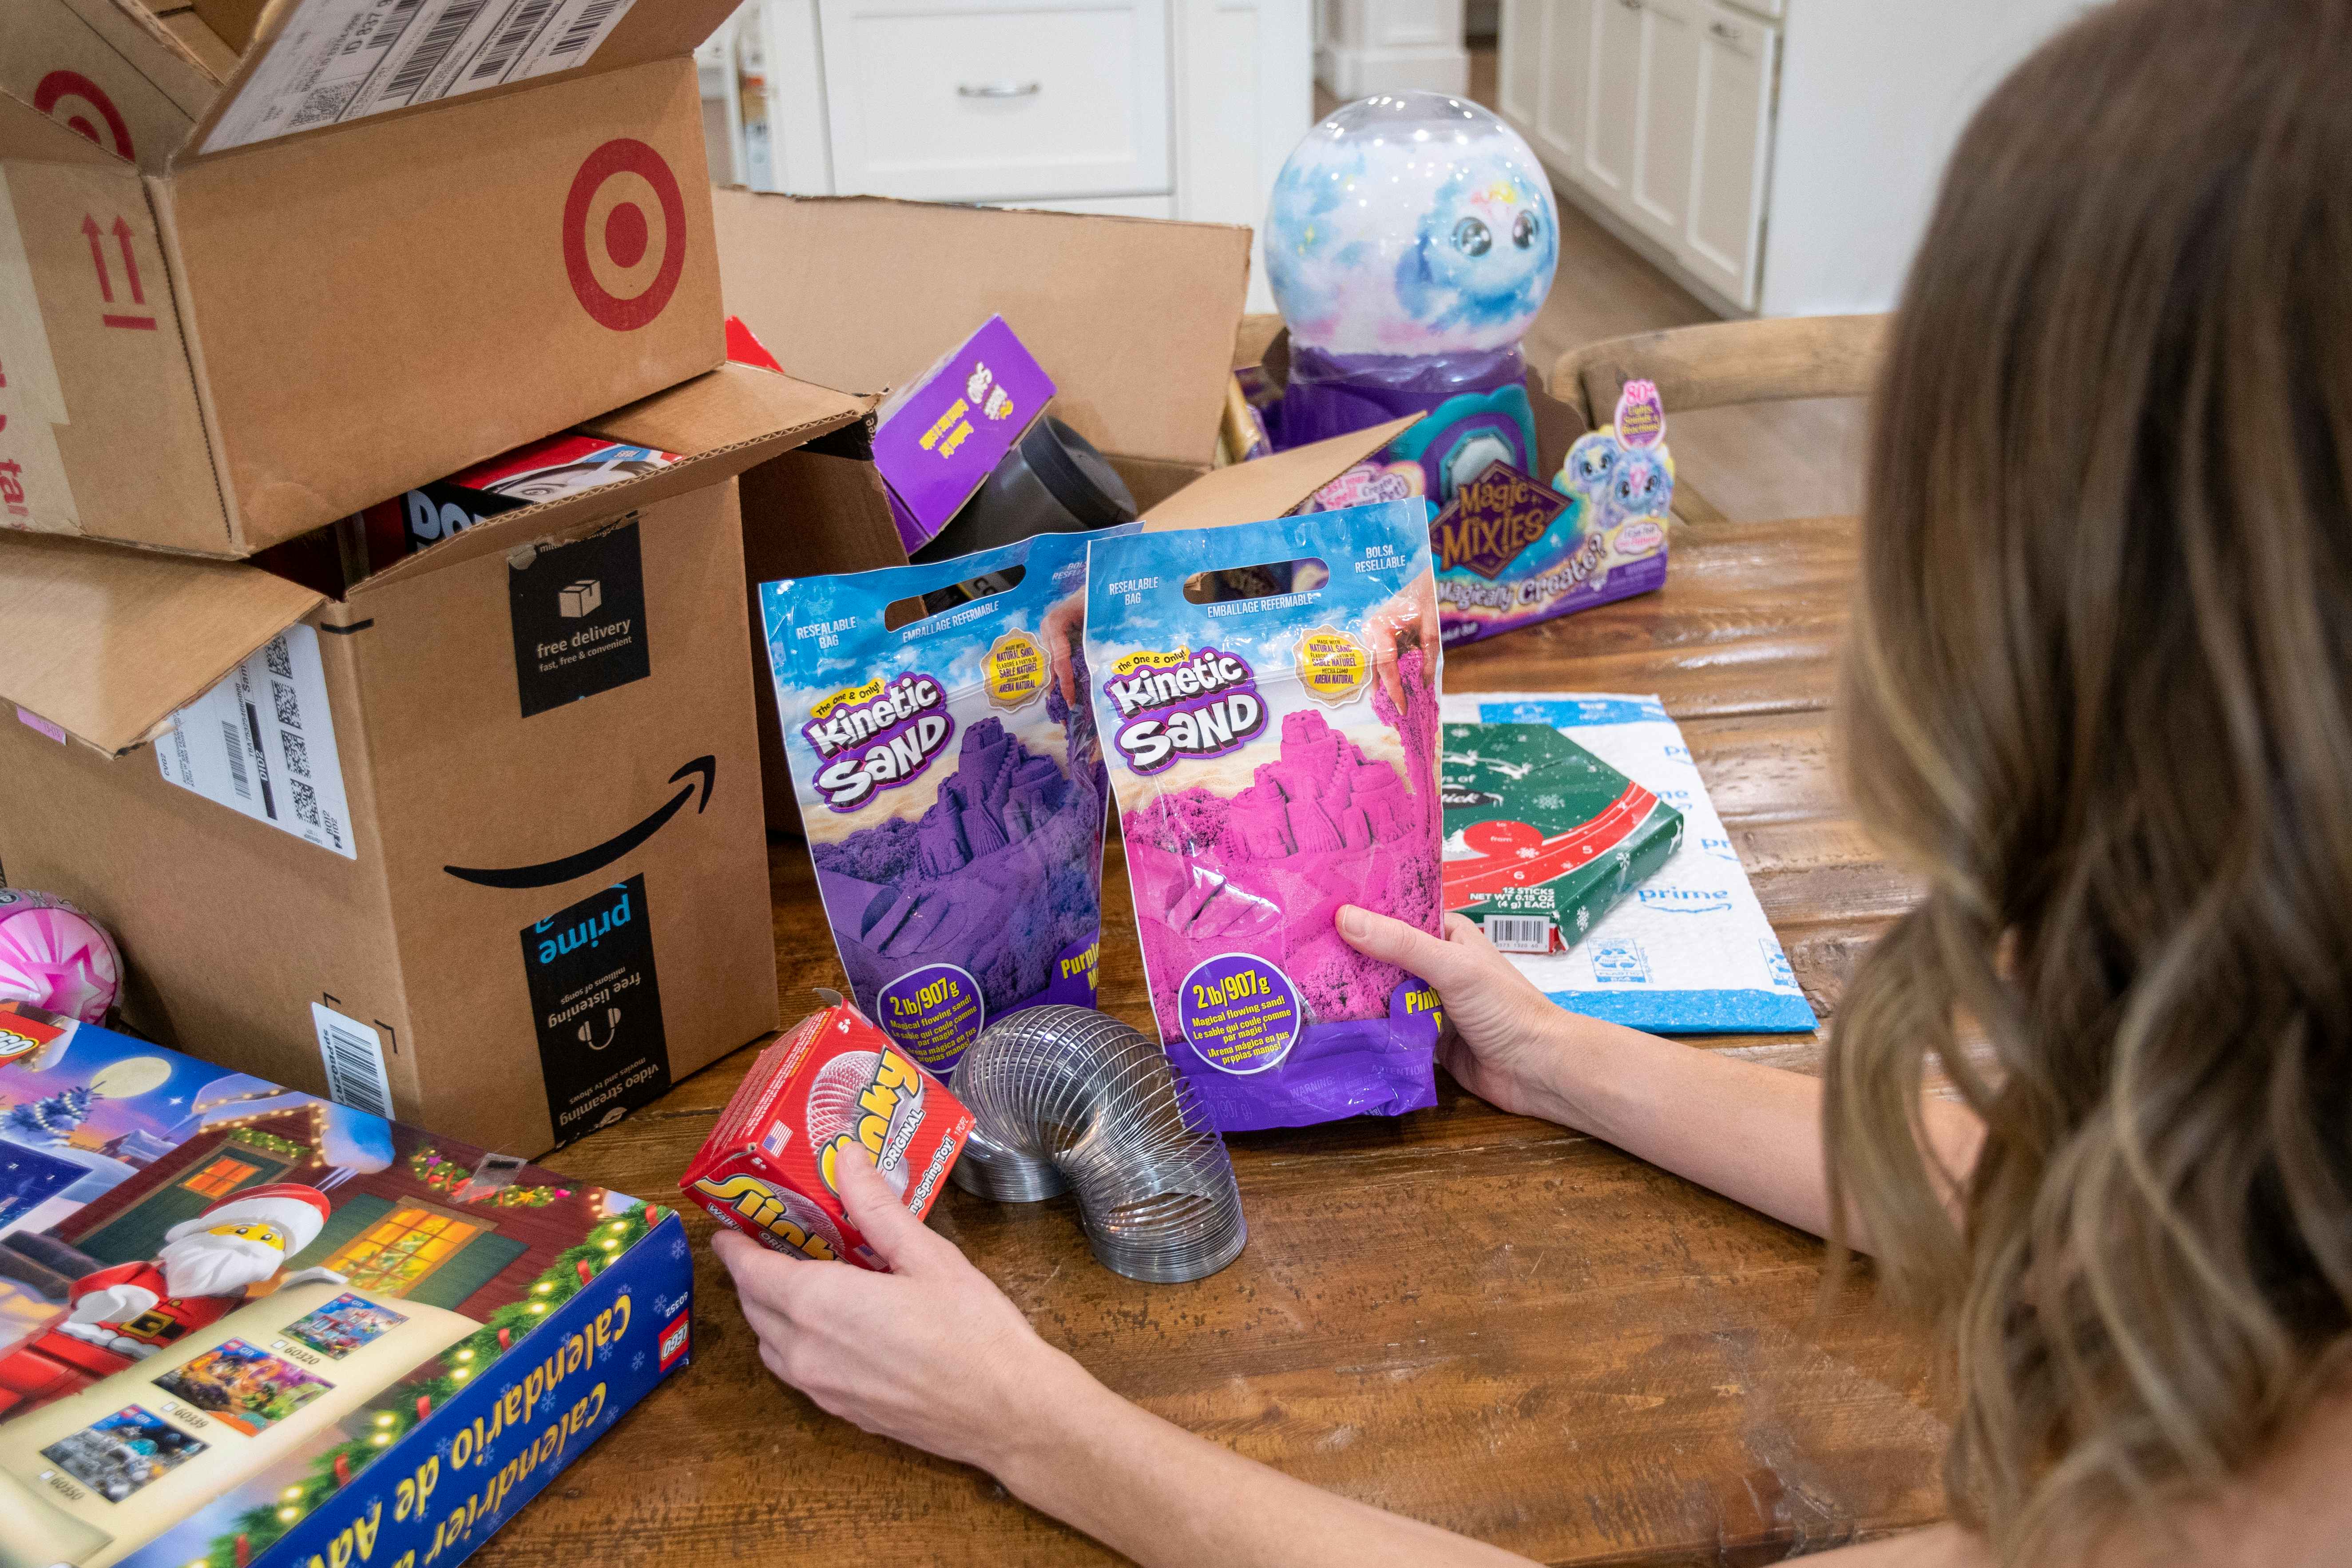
<point>1070,1099</point>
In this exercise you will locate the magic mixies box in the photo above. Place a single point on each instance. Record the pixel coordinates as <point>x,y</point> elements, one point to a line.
<point>241,1325</point>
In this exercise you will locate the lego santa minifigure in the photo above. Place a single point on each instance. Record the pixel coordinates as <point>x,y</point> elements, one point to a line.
<point>208,1268</point>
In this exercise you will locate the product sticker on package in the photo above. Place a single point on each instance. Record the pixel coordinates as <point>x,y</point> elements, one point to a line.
<point>1687,952</point>
<point>263,743</point>
<point>1269,696</point>
<point>949,782</point>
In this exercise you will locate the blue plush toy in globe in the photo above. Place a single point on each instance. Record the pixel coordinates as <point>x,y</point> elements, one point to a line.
<point>1410,242</point>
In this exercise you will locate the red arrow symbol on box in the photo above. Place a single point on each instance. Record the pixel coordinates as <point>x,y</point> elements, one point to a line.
<point>98,255</point>
<point>129,263</point>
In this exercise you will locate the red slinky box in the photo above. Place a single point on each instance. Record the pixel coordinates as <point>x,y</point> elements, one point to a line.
<point>834,1081</point>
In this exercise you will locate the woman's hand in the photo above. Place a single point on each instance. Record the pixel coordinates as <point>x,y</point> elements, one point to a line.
<point>931,1353</point>
<point>1064,626</point>
<point>1406,622</point>
<point>1504,1041</point>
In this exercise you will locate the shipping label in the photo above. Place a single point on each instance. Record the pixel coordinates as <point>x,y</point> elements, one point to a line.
<point>340,60</point>
<point>263,743</point>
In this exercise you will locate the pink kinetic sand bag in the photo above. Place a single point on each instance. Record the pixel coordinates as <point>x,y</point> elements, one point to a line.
<point>1267,700</point>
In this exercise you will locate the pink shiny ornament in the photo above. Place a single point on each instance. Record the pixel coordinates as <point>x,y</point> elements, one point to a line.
<point>54,956</point>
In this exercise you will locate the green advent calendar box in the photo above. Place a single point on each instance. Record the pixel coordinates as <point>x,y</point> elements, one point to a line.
<point>242,1327</point>
<point>1542,836</point>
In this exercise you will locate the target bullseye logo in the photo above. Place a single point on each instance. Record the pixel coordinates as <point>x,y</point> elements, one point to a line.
<point>623,266</point>
<point>83,106</point>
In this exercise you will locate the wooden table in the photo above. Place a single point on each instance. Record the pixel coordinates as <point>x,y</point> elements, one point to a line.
<point>1478,1319</point>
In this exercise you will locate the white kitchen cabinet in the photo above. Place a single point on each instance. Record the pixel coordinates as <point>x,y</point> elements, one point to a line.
<point>1176,108</point>
<point>1722,239</point>
<point>998,100</point>
<point>1773,155</point>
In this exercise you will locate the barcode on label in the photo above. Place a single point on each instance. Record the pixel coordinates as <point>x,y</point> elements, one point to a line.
<point>436,43</point>
<point>518,31</point>
<point>583,27</point>
<point>353,1055</point>
<point>1519,933</point>
<point>232,742</point>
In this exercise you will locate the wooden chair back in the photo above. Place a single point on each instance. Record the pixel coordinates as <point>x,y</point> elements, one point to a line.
<point>1724,363</point>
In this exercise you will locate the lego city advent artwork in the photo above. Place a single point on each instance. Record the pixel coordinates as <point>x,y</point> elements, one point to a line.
<point>238,1323</point>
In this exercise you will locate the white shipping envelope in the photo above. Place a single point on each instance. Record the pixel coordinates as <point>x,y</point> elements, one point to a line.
<point>1689,951</point>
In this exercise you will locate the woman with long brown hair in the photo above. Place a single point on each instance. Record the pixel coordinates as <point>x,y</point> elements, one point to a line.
<point>2099,696</point>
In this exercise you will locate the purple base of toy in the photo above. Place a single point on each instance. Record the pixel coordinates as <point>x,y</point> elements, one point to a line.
<point>1623,582</point>
<point>1336,394</point>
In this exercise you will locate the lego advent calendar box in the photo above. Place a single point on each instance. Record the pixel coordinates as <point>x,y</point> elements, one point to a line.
<point>247,1327</point>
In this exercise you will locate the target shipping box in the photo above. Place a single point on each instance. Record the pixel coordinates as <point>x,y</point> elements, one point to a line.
<point>398,240</point>
<point>243,1325</point>
<point>476,842</point>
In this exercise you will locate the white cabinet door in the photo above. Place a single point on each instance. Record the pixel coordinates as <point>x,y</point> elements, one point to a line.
<point>1613,99</point>
<point>1733,145</point>
<point>1668,124</point>
<point>1566,81</point>
<point>1522,58</point>
<point>998,100</point>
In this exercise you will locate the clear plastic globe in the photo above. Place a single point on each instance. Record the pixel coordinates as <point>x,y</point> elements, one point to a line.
<point>1411,223</point>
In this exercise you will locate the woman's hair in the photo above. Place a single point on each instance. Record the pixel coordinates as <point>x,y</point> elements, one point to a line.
<point>2099,697</point>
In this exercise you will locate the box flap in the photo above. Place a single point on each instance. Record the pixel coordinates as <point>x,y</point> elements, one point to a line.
<point>30,136</point>
<point>1133,318</point>
<point>1269,487</point>
<point>721,423</point>
<point>106,643</point>
<point>322,65</point>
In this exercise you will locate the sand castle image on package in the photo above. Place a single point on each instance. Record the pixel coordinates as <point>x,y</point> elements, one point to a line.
<point>951,791</point>
<point>1275,757</point>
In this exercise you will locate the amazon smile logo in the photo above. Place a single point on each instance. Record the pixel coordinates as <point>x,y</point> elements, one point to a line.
<point>549,873</point>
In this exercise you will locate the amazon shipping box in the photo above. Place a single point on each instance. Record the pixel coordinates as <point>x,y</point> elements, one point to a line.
<point>475,841</point>
<point>261,266</point>
<point>244,1325</point>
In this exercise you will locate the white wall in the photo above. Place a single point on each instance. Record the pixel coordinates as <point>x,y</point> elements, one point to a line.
<point>1873,93</point>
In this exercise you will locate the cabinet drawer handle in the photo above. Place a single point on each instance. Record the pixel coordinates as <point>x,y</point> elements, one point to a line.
<point>1725,31</point>
<point>998,89</point>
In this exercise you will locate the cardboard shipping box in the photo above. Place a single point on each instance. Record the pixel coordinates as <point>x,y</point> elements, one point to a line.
<point>1134,318</point>
<point>437,1334</point>
<point>477,843</point>
<point>398,240</point>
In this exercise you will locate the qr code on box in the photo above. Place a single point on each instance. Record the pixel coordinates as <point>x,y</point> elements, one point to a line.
<point>289,706</point>
<point>281,659</point>
<point>306,802</point>
<point>298,754</point>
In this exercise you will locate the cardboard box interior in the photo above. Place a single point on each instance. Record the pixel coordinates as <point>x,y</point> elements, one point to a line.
<point>478,825</point>
<point>258,339</point>
<point>1134,318</point>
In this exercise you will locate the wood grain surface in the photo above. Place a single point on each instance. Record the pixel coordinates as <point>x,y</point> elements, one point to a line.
<point>1478,1319</point>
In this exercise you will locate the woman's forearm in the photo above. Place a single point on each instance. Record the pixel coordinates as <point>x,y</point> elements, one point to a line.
<point>1749,1131</point>
<point>1158,1494</point>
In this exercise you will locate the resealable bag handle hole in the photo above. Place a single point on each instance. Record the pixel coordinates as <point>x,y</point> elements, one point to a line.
<point>902,612</point>
<point>1263,581</point>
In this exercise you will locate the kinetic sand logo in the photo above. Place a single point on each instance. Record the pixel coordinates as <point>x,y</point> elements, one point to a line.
<point>1493,517</point>
<point>787,1216</point>
<point>876,736</point>
<point>889,1110</point>
<point>1199,705</point>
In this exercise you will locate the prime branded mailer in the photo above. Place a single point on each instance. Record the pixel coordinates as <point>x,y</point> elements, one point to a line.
<point>952,789</point>
<point>395,240</point>
<point>243,1325</point>
<point>478,842</point>
<point>1266,695</point>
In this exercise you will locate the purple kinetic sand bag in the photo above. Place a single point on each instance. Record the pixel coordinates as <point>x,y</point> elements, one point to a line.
<point>953,798</point>
<point>1265,777</point>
